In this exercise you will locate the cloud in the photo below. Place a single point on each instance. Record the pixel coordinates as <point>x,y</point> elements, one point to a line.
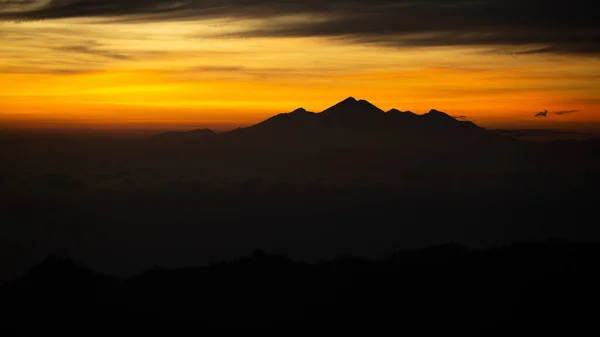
<point>46,70</point>
<point>19,6</point>
<point>92,48</point>
<point>238,71</point>
<point>216,69</point>
<point>534,26</point>
<point>564,112</point>
<point>55,47</point>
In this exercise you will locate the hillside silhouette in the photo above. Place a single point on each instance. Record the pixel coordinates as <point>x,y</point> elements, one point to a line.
<point>353,124</point>
<point>352,137</point>
<point>351,179</point>
<point>526,288</point>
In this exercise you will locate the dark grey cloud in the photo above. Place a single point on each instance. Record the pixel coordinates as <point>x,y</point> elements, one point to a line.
<point>539,26</point>
<point>564,112</point>
<point>561,112</point>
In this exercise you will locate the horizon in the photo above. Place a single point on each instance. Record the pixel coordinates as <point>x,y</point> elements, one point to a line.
<point>551,129</point>
<point>173,65</point>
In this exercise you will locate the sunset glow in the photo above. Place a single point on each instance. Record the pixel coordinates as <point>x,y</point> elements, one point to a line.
<point>204,72</point>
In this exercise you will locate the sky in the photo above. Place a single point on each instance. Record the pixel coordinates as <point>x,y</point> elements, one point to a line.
<point>183,64</point>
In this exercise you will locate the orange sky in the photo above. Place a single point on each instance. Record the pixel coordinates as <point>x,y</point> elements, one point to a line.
<point>79,73</point>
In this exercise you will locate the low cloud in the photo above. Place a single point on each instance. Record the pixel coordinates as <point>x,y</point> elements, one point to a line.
<point>559,113</point>
<point>564,112</point>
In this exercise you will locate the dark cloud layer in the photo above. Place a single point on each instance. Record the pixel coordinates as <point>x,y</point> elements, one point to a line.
<point>539,26</point>
<point>559,113</point>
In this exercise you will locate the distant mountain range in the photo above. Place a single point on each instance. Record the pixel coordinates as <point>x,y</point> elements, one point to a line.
<point>349,124</point>
<point>356,137</point>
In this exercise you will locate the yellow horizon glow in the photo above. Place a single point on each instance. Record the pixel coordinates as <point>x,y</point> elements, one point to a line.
<point>180,75</point>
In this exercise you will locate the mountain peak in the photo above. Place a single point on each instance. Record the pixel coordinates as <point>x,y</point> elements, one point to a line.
<point>395,111</point>
<point>399,113</point>
<point>350,106</point>
<point>438,114</point>
<point>348,124</point>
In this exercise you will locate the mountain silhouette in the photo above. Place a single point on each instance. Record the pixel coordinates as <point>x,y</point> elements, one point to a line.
<point>479,292</point>
<point>350,137</point>
<point>351,124</point>
<point>351,113</point>
<point>296,119</point>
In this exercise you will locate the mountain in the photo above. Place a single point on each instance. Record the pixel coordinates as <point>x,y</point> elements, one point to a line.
<point>351,113</point>
<point>350,136</point>
<point>350,123</point>
<point>358,124</point>
<point>521,287</point>
<point>290,121</point>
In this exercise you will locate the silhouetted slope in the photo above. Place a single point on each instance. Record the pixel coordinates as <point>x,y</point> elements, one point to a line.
<point>395,113</point>
<point>58,287</point>
<point>351,113</point>
<point>295,183</point>
<point>286,130</point>
<point>358,125</point>
<point>284,121</point>
<point>356,136</point>
<point>525,288</point>
<point>295,119</point>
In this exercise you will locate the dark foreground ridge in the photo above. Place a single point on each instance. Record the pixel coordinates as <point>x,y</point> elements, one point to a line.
<point>523,288</point>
